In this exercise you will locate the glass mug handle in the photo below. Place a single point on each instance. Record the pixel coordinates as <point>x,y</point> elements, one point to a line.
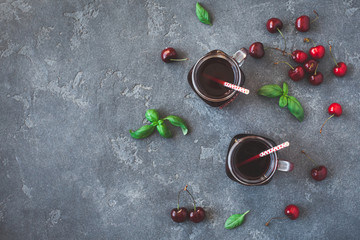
<point>285,166</point>
<point>240,56</point>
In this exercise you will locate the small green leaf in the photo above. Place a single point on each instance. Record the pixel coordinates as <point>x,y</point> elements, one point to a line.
<point>163,130</point>
<point>285,89</point>
<point>295,108</point>
<point>283,101</point>
<point>152,115</point>
<point>271,90</point>
<point>202,14</point>
<point>178,122</point>
<point>235,220</point>
<point>142,132</point>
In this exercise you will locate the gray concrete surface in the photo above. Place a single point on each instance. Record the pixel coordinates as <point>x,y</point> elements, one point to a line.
<point>77,75</point>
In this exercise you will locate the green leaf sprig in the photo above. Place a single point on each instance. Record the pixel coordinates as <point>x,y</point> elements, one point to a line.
<point>235,220</point>
<point>202,14</point>
<point>274,90</point>
<point>153,116</point>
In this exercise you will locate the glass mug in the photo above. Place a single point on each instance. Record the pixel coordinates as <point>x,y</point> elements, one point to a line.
<point>222,66</point>
<point>259,171</point>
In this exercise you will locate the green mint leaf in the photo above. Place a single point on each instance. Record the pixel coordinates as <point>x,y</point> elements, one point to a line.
<point>285,89</point>
<point>283,101</point>
<point>271,90</point>
<point>295,108</point>
<point>152,115</point>
<point>163,129</point>
<point>142,132</point>
<point>178,122</point>
<point>202,14</point>
<point>235,220</point>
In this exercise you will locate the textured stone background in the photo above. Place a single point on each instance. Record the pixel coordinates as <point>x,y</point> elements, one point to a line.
<point>77,75</point>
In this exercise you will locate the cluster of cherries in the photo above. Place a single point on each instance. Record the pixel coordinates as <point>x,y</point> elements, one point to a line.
<point>316,53</point>
<point>180,214</point>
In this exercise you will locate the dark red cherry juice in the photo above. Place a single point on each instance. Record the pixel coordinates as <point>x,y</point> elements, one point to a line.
<point>256,168</point>
<point>218,68</point>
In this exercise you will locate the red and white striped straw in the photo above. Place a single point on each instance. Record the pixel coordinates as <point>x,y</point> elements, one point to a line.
<point>265,153</point>
<point>227,84</point>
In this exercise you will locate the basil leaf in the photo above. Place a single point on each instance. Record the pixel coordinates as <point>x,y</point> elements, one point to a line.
<point>285,89</point>
<point>152,115</point>
<point>163,129</point>
<point>283,101</point>
<point>271,90</point>
<point>295,108</point>
<point>202,14</point>
<point>235,220</point>
<point>178,122</point>
<point>142,132</point>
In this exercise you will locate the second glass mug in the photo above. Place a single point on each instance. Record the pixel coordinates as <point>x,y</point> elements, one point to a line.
<point>237,147</point>
<point>230,67</point>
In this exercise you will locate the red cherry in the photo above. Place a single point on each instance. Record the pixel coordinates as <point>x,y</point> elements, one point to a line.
<point>302,23</point>
<point>319,173</point>
<point>292,211</point>
<point>317,52</point>
<point>299,56</point>
<point>170,55</point>
<point>297,73</point>
<point>334,110</point>
<point>273,24</point>
<point>310,66</point>
<point>340,69</point>
<point>179,215</point>
<point>256,50</point>
<point>197,215</point>
<point>316,79</point>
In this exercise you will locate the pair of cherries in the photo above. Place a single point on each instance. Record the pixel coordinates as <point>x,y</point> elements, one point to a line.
<point>180,214</point>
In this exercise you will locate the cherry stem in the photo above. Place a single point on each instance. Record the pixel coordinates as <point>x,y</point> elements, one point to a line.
<point>178,204</point>
<point>316,69</point>
<point>285,63</point>
<point>308,40</point>
<point>302,151</point>
<point>325,122</point>
<point>330,47</point>
<point>178,59</point>
<point>185,189</point>
<point>316,18</point>
<point>284,51</point>
<point>268,222</point>
<point>278,49</point>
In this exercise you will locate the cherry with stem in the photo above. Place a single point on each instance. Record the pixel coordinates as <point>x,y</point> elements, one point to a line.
<point>340,68</point>
<point>198,213</point>
<point>316,52</point>
<point>291,211</point>
<point>318,173</point>
<point>334,109</point>
<point>316,78</point>
<point>274,25</point>
<point>296,74</point>
<point>170,55</point>
<point>179,214</point>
